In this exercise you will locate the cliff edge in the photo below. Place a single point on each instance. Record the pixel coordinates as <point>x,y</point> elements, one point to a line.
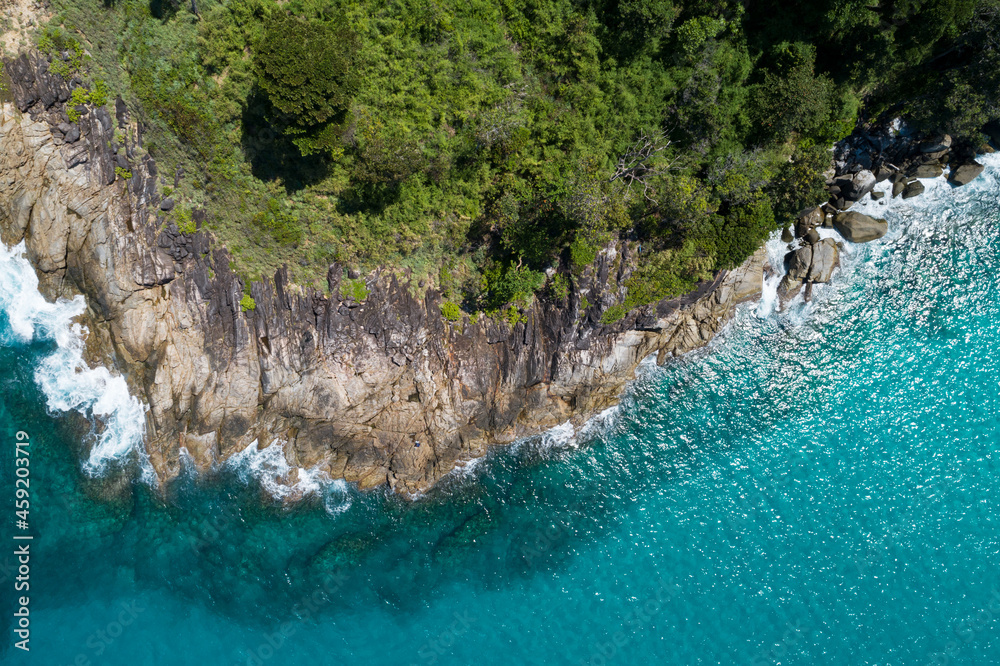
<point>381,391</point>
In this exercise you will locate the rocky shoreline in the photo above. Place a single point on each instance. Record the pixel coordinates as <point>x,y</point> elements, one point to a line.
<point>860,163</point>
<point>384,391</point>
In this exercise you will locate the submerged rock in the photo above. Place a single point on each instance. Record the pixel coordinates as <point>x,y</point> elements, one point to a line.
<point>859,228</point>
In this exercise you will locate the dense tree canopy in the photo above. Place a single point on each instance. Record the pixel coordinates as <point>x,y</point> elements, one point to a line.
<point>306,69</point>
<point>482,141</point>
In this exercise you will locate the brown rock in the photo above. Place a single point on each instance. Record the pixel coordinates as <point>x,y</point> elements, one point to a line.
<point>912,189</point>
<point>859,228</point>
<point>964,174</point>
<point>930,170</point>
<point>344,389</point>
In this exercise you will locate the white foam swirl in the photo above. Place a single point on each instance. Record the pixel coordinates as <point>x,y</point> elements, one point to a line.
<point>282,481</point>
<point>65,379</point>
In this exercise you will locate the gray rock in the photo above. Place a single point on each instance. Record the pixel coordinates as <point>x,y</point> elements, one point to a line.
<point>913,189</point>
<point>884,173</point>
<point>965,173</point>
<point>797,263</point>
<point>876,195</point>
<point>859,228</point>
<point>939,143</point>
<point>809,218</point>
<point>898,187</point>
<point>167,204</point>
<point>73,135</point>
<point>862,184</point>
<point>786,235</point>
<point>811,237</point>
<point>825,257</point>
<point>930,170</point>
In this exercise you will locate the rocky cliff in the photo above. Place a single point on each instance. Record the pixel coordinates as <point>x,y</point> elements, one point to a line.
<point>384,391</point>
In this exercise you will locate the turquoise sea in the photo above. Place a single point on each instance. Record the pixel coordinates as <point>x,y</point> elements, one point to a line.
<point>820,486</point>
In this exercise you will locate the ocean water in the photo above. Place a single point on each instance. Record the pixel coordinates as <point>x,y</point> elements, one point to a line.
<point>819,486</point>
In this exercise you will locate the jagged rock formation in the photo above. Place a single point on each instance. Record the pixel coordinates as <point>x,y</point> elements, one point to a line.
<point>349,387</point>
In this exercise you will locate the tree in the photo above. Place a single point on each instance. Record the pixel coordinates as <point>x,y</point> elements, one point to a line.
<point>305,68</point>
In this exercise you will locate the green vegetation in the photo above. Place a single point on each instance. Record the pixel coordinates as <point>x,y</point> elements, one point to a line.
<point>247,304</point>
<point>123,173</point>
<point>478,143</point>
<point>451,311</point>
<point>185,221</point>
<point>355,290</point>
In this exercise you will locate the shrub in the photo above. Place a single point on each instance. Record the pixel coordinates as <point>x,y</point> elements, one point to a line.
<point>79,97</point>
<point>355,290</point>
<point>451,311</point>
<point>582,253</point>
<point>185,221</point>
<point>559,286</point>
<point>123,173</point>
<point>508,283</point>
<point>283,227</point>
<point>99,93</point>
<point>614,313</point>
<point>247,304</point>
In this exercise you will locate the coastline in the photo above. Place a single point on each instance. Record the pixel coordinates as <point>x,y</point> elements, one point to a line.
<point>350,387</point>
<point>377,391</point>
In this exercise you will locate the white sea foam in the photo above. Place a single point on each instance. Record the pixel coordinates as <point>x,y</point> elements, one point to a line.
<point>854,255</point>
<point>63,376</point>
<point>280,480</point>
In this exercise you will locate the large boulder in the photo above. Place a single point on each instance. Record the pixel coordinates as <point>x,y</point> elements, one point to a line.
<point>913,189</point>
<point>964,174</point>
<point>859,228</point>
<point>808,219</point>
<point>938,144</point>
<point>808,264</point>
<point>929,170</point>
<point>862,184</point>
<point>797,263</point>
<point>825,257</point>
<point>854,188</point>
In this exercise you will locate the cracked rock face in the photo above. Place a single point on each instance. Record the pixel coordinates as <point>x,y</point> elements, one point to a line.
<point>349,387</point>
